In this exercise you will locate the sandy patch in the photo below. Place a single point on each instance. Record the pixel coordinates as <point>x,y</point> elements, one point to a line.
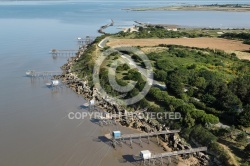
<point>241,55</point>
<point>153,49</point>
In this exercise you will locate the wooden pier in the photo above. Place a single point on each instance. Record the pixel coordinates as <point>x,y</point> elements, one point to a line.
<point>33,73</point>
<point>55,52</point>
<point>181,152</point>
<point>82,43</point>
<point>152,159</point>
<point>85,41</point>
<point>139,136</point>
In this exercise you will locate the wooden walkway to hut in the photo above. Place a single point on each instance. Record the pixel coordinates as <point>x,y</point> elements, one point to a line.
<point>139,136</point>
<point>33,73</point>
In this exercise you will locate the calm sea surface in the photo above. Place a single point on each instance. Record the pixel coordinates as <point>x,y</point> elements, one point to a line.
<point>34,128</point>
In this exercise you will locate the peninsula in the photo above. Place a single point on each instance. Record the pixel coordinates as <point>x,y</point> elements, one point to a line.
<point>207,79</point>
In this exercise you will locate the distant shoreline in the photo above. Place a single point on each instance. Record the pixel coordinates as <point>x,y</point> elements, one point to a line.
<point>225,8</point>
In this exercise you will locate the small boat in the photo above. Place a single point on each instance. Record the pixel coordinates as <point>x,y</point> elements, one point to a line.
<point>29,72</point>
<point>48,84</point>
<point>55,82</point>
<point>86,104</point>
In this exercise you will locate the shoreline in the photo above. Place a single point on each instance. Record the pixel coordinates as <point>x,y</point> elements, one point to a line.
<point>179,26</point>
<point>81,87</point>
<point>88,92</point>
<point>222,8</point>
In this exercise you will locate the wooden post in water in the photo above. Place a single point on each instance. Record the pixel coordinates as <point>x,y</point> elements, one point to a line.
<point>131,142</point>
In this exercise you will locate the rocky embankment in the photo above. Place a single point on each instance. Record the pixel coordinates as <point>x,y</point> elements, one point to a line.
<point>101,30</point>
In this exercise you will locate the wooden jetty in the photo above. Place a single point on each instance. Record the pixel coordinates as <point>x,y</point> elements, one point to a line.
<point>55,52</point>
<point>140,135</point>
<point>33,73</point>
<point>130,137</point>
<point>82,42</point>
<point>180,152</point>
<point>85,41</point>
<point>151,158</point>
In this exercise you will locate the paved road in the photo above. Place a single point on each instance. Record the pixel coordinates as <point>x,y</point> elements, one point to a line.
<point>102,44</point>
<point>142,71</point>
<point>132,64</point>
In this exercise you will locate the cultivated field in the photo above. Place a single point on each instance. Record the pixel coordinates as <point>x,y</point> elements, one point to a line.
<point>213,43</point>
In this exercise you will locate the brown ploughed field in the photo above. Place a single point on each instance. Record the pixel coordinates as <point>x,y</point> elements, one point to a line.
<point>213,43</point>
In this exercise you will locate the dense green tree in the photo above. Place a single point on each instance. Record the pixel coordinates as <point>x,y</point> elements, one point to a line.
<point>208,75</point>
<point>241,87</point>
<point>154,92</point>
<point>190,91</point>
<point>121,82</point>
<point>123,67</point>
<point>242,139</point>
<point>244,117</point>
<point>229,101</point>
<point>154,108</point>
<point>222,155</point>
<point>202,135</point>
<point>246,42</point>
<point>136,58</point>
<point>189,121</point>
<point>133,92</point>
<point>143,103</point>
<point>185,109</point>
<point>208,99</point>
<point>160,75</point>
<point>222,132</point>
<point>185,133</point>
<point>200,82</point>
<point>163,96</point>
<point>215,87</point>
<point>174,83</point>
<point>176,102</point>
<point>209,118</point>
<point>164,64</point>
<point>226,100</point>
<point>242,35</point>
<point>247,150</point>
<point>193,66</point>
<point>134,75</point>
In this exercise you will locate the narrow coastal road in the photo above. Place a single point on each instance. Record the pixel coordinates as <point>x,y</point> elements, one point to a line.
<point>102,44</point>
<point>132,64</point>
<point>142,71</point>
